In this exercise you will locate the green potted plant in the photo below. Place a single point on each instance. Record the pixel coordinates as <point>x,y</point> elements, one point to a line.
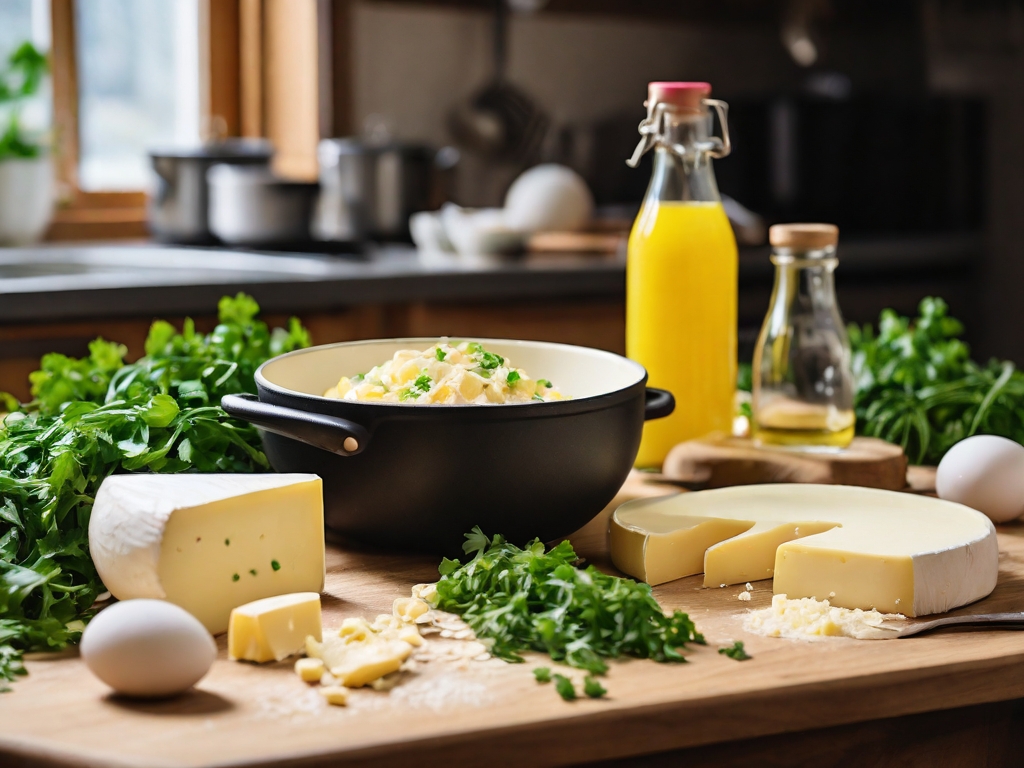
<point>26,171</point>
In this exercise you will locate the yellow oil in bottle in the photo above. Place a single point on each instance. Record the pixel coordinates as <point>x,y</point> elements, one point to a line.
<point>792,423</point>
<point>681,288</point>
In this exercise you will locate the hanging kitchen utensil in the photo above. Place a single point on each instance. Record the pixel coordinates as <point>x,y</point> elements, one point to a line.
<point>500,121</point>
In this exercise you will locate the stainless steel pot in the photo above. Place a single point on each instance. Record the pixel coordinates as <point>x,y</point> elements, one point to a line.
<point>369,191</point>
<point>249,205</point>
<point>179,205</point>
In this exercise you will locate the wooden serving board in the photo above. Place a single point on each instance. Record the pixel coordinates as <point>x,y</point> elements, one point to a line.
<point>473,713</point>
<point>720,462</point>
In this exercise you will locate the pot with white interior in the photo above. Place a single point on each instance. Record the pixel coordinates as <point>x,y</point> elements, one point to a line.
<point>418,477</point>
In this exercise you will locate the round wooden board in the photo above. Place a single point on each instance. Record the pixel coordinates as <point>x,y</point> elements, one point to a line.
<point>727,461</point>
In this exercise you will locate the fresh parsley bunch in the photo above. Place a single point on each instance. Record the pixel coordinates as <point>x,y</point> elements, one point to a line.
<point>917,386</point>
<point>529,599</point>
<point>95,416</point>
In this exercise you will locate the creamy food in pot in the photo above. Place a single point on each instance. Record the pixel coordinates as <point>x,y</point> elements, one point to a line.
<point>457,373</point>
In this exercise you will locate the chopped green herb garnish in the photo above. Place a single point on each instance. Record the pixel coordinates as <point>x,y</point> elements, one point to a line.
<point>735,651</point>
<point>543,674</point>
<point>593,688</point>
<point>565,688</point>
<point>529,599</point>
<point>474,347</point>
<point>227,542</point>
<point>544,383</point>
<point>275,565</point>
<point>235,577</point>
<point>423,382</point>
<point>490,361</point>
<point>538,397</point>
<point>97,415</point>
<point>482,372</point>
<point>512,378</point>
<point>252,571</point>
<point>358,378</point>
<point>440,354</point>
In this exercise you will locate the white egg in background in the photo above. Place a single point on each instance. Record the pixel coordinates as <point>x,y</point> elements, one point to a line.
<point>548,198</point>
<point>984,472</point>
<point>147,648</point>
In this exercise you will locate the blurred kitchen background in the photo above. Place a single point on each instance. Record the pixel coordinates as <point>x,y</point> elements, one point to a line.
<point>901,121</point>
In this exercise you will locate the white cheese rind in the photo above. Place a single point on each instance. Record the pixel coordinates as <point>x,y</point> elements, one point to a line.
<point>892,551</point>
<point>133,521</point>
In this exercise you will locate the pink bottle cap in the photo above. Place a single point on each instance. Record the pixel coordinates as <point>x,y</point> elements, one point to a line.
<point>681,95</point>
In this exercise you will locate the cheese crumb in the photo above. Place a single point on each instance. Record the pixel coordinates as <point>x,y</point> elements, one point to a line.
<point>335,694</point>
<point>810,619</point>
<point>309,670</point>
<point>721,586</point>
<point>745,597</point>
<point>749,588</point>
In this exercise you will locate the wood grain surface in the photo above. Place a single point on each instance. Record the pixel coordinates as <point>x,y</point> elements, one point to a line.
<point>471,713</point>
<point>727,461</point>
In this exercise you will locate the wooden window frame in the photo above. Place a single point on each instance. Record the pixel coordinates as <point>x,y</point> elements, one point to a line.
<point>83,215</point>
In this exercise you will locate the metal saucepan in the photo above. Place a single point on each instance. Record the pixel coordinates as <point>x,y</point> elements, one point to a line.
<point>418,477</point>
<point>178,207</point>
<point>369,190</point>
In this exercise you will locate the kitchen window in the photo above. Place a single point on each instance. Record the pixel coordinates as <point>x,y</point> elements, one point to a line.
<point>126,75</point>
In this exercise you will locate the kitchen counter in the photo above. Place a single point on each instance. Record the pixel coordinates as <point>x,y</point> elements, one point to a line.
<point>946,698</point>
<point>60,282</point>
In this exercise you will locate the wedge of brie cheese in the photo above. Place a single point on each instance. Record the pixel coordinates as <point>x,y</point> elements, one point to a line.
<point>856,547</point>
<point>209,543</point>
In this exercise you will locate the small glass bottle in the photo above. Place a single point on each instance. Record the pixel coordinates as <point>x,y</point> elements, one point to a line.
<point>803,386</point>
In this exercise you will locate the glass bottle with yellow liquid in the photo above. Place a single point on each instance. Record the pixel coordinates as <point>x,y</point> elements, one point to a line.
<point>803,385</point>
<point>681,273</point>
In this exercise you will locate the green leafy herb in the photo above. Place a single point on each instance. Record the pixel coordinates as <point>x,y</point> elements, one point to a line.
<point>565,688</point>
<point>512,378</point>
<point>275,565</point>
<point>235,577</point>
<point>96,416</point>
<point>543,674</point>
<point>735,651</point>
<point>917,386</point>
<point>529,599</point>
<point>538,397</point>
<point>593,688</point>
<point>489,361</point>
<point>252,571</point>
<point>440,354</point>
<point>422,384</point>
<point>227,542</point>
<point>544,383</point>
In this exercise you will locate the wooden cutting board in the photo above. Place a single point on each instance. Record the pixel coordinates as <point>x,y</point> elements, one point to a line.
<point>720,462</point>
<point>473,713</point>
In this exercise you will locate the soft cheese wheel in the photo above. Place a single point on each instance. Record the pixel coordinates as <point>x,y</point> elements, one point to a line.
<point>856,547</point>
<point>209,543</point>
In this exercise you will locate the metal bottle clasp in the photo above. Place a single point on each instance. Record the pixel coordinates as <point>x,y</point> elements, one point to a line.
<point>653,131</point>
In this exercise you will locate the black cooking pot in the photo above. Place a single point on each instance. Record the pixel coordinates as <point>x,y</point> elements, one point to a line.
<point>418,477</point>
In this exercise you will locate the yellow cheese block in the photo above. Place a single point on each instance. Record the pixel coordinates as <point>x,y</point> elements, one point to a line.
<point>856,547</point>
<point>274,628</point>
<point>209,543</point>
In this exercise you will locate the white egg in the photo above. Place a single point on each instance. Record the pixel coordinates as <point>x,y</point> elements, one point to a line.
<point>548,198</point>
<point>984,472</point>
<point>147,648</point>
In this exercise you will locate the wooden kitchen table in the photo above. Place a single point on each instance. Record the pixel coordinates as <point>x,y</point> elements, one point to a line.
<point>942,699</point>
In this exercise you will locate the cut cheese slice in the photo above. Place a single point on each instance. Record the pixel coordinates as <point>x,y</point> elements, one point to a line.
<point>274,628</point>
<point>857,547</point>
<point>209,543</point>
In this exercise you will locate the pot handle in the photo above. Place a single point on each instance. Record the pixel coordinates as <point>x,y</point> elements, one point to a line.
<point>329,433</point>
<point>658,403</point>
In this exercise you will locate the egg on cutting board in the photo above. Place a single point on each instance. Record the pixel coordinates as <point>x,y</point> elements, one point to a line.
<point>985,472</point>
<point>147,648</point>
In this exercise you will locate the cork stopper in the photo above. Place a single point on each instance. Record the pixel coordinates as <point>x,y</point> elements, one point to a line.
<point>686,96</point>
<point>803,237</point>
